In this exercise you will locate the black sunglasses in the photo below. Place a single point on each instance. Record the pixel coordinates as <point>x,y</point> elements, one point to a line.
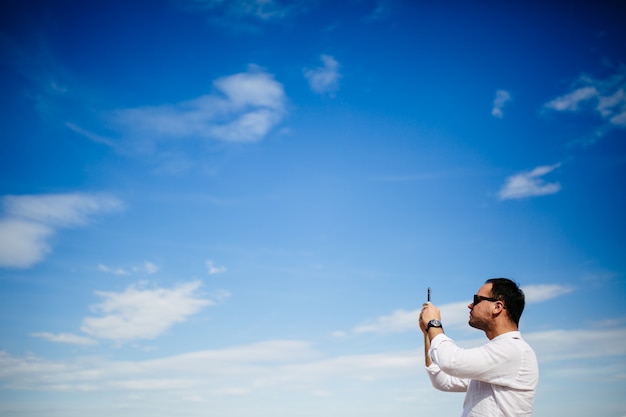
<point>479,298</point>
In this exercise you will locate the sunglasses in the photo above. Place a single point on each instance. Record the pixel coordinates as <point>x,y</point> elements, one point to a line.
<point>479,298</point>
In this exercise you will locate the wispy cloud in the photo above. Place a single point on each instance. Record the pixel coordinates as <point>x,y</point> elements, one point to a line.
<point>138,313</point>
<point>67,338</point>
<point>30,220</point>
<point>246,15</point>
<point>398,321</point>
<point>277,365</point>
<point>143,313</point>
<point>381,11</point>
<point>111,270</point>
<point>604,97</point>
<point>231,391</point>
<point>244,108</point>
<point>60,210</point>
<point>502,97</point>
<point>218,371</point>
<point>544,292</point>
<point>238,370</point>
<point>212,269</point>
<point>23,243</point>
<point>572,100</point>
<point>558,345</point>
<point>90,135</point>
<point>529,184</point>
<point>145,268</point>
<point>324,79</point>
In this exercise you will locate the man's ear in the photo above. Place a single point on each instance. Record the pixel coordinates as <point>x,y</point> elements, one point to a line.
<point>498,307</point>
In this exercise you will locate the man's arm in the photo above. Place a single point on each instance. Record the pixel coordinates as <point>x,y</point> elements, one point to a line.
<point>429,312</point>
<point>439,379</point>
<point>496,363</point>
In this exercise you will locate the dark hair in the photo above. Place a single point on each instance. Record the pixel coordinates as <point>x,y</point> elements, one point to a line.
<point>509,292</point>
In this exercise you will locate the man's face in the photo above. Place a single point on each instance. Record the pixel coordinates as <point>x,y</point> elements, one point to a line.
<point>480,313</point>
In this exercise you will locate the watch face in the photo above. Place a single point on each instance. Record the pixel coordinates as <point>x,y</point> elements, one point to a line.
<point>434,323</point>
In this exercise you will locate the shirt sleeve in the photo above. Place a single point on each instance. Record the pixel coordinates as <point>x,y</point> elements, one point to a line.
<point>495,363</point>
<point>444,382</point>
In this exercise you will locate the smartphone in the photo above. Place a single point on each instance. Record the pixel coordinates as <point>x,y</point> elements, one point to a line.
<point>428,295</point>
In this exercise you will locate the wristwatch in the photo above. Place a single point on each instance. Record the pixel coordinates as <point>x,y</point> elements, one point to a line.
<point>433,323</point>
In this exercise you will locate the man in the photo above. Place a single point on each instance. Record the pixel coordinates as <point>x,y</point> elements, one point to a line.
<point>500,377</point>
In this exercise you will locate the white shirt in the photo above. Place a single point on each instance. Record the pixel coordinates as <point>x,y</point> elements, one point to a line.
<point>500,377</point>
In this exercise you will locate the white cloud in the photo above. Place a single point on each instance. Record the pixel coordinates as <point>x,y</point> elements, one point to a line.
<point>265,10</point>
<point>529,184</point>
<point>114,271</point>
<point>23,243</point>
<point>324,79</point>
<point>235,371</point>
<point>143,313</point>
<point>540,293</point>
<point>147,267</point>
<point>382,11</point>
<point>89,135</point>
<point>144,268</point>
<point>219,371</point>
<point>253,88</point>
<point>212,269</point>
<point>232,391</point>
<point>247,15</point>
<point>398,321</point>
<point>67,338</point>
<point>502,97</point>
<point>244,108</point>
<point>61,210</point>
<point>558,345</point>
<point>571,101</point>
<point>605,97</point>
<point>288,365</point>
<point>30,221</point>
<point>138,313</point>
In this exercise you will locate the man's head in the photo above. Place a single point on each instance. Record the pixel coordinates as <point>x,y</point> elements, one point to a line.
<point>498,302</point>
<point>510,294</point>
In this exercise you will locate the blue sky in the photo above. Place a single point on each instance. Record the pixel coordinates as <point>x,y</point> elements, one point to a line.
<point>235,207</point>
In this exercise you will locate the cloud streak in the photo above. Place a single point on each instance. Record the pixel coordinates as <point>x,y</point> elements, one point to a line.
<point>529,184</point>
<point>244,108</point>
<point>30,221</point>
<point>67,338</point>
<point>604,97</point>
<point>212,269</point>
<point>545,292</point>
<point>502,97</point>
<point>246,15</point>
<point>324,79</point>
<point>139,313</point>
<point>144,268</point>
<point>274,364</point>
